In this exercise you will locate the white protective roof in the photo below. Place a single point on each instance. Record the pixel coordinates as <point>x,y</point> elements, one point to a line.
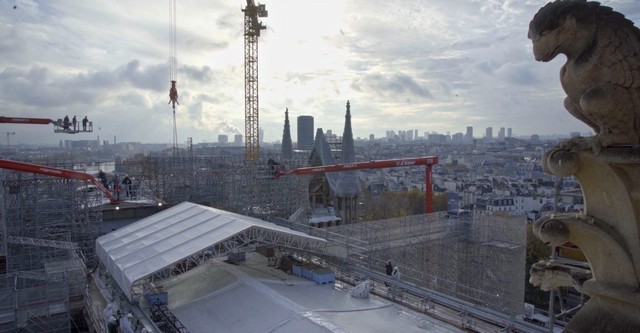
<point>155,242</point>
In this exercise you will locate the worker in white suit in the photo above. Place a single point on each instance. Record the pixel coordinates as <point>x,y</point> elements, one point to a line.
<point>106,313</point>
<point>396,273</point>
<point>125,324</point>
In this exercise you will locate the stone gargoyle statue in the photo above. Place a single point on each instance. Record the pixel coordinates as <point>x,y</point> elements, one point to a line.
<point>602,81</point>
<point>601,76</point>
<point>549,275</point>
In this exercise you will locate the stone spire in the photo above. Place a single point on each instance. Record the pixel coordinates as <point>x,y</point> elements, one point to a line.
<point>348,151</point>
<point>287,147</point>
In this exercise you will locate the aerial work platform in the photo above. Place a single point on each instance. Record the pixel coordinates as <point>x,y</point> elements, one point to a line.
<point>59,126</point>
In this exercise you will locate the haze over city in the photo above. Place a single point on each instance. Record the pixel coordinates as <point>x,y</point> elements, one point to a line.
<point>437,66</point>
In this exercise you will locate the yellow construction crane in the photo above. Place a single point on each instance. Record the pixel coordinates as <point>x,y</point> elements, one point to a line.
<point>252,28</point>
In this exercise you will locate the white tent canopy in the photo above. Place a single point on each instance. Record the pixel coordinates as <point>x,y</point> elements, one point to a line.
<point>158,241</point>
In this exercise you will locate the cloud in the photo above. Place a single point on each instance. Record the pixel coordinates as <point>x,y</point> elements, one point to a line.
<point>392,86</point>
<point>434,65</point>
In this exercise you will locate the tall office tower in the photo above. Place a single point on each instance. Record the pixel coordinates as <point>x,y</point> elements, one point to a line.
<point>457,138</point>
<point>489,133</point>
<point>501,133</point>
<point>391,135</point>
<point>469,135</point>
<point>330,135</point>
<point>402,135</point>
<point>372,137</point>
<point>305,132</point>
<point>237,140</point>
<point>287,146</point>
<point>223,138</point>
<point>509,132</point>
<point>260,136</point>
<point>410,135</point>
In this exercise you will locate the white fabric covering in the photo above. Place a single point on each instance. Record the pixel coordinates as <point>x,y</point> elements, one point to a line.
<point>153,243</point>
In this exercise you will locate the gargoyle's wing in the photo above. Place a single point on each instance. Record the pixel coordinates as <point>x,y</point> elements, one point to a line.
<point>622,42</point>
<point>622,55</point>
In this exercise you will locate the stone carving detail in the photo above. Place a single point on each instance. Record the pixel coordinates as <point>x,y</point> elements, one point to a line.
<point>549,275</point>
<point>602,81</point>
<point>602,74</point>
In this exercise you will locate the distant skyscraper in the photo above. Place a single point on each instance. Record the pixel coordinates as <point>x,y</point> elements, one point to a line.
<point>457,138</point>
<point>509,132</point>
<point>260,136</point>
<point>489,133</point>
<point>287,146</point>
<point>372,137</point>
<point>391,135</point>
<point>305,132</point>
<point>469,135</point>
<point>223,138</point>
<point>329,134</point>
<point>237,140</point>
<point>501,133</point>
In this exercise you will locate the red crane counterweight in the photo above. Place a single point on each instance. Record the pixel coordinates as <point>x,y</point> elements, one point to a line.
<point>173,94</point>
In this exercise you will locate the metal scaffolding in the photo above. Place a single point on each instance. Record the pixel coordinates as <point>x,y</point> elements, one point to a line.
<point>49,223</point>
<point>479,259</point>
<point>226,182</point>
<point>49,226</point>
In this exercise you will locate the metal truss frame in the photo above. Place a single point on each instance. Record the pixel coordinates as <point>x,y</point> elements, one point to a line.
<point>250,237</point>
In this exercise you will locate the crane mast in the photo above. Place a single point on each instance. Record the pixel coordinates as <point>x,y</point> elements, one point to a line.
<point>252,28</point>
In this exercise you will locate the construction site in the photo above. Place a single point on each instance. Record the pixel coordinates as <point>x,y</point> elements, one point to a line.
<point>50,225</point>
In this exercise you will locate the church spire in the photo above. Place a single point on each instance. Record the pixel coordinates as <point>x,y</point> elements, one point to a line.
<point>348,150</point>
<point>287,146</point>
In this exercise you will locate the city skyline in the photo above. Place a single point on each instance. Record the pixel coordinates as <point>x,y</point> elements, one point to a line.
<point>470,63</point>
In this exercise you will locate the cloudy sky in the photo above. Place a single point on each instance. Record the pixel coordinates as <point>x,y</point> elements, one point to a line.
<point>436,65</point>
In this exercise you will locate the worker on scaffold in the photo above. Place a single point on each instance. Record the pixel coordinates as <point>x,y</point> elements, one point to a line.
<point>116,187</point>
<point>74,120</point>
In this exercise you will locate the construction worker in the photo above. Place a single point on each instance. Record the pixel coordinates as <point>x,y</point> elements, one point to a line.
<point>107,313</point>
<point>116,186</point>
<point>125,324</point>
<point>85,120</point>
<point>389,270</point>
<point>75,123</point>
<point>126,183</point>
<point>396,273</point>
<point>112,326</point>
<point>65,123</point>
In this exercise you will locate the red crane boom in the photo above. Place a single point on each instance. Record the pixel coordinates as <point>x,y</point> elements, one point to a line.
<point>427,161</point>
<point>59,125</point>
<point>56,172</point>
<point>36,121</point>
